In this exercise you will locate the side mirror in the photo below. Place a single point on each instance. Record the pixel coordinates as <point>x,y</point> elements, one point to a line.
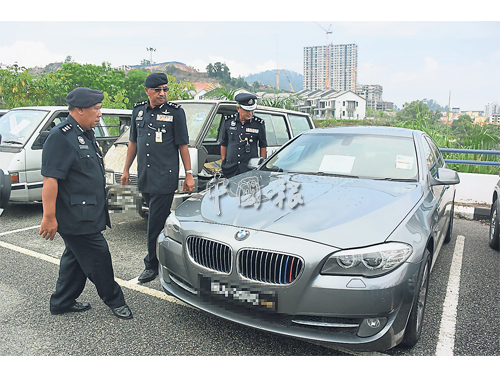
<point>4,189</point>
<point>446,177</point>
<point>254,163</point>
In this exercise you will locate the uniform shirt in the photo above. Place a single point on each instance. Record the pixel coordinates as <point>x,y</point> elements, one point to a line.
<point>240,138</point>
<point>72,156</point>
<point>158,132</point>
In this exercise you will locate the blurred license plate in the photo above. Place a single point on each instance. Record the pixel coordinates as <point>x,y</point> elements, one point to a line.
<point>236,295</point>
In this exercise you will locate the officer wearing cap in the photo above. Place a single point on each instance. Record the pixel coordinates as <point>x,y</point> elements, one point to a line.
<point>242,136</point>
<point>158,134</point>
<point>74,204</point>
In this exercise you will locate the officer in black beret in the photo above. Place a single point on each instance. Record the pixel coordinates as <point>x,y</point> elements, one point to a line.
<point>158,133</point>
<point>74,204</point>
<point>242,136</point>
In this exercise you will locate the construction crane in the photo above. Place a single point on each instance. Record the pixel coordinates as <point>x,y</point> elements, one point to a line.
<point>327,55</point>
<point>284,71</point>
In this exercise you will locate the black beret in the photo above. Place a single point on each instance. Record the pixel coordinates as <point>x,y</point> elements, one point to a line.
<point>246,101</point>
<point>155,79</point>
<point>83,97</point>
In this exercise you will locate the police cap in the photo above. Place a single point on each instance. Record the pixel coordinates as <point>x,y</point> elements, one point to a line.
<point>246,101</point>
<point>83,97</point>
<point>155,79</point>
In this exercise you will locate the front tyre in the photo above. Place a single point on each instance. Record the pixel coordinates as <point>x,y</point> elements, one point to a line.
<point>415,322</point>
<point>494,226</point>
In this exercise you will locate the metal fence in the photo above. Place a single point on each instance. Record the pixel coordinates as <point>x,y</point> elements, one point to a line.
<point>471,162</point>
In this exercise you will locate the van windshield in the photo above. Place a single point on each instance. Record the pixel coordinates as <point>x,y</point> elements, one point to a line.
<point>16,127</point>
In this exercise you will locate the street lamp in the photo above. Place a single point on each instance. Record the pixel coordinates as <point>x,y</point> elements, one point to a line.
<point>151,50</point>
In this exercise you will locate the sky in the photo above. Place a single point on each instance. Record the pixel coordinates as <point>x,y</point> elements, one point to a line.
<point>431,51</point>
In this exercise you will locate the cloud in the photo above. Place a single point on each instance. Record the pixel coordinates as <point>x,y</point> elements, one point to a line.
<point>28,53</point>
<point>430,64</point>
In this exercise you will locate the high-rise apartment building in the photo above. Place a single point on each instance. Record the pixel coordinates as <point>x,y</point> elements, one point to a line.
<point>331,67</point>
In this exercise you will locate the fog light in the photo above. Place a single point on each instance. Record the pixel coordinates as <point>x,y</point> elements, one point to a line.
<point>371,326</point>
<point>373,323</point>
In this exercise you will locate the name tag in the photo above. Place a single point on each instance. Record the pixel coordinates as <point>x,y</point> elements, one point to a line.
<point>251,130</point>
<point>158,137</point>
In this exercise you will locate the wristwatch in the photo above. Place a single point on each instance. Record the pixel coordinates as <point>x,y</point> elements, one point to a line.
<point>190,171</point>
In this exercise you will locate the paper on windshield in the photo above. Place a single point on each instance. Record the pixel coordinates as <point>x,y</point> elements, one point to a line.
<point>337,164</point>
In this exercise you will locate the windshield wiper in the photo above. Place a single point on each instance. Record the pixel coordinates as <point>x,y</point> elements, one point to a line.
<point>395,179</point>
<point>13,142</point>
<point>336,175</point>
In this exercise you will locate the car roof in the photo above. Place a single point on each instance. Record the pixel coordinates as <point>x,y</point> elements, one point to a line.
<point>65,108</point>
<point>368,130</point>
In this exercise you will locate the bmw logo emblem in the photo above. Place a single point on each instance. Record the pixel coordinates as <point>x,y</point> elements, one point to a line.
<point>242,235</point>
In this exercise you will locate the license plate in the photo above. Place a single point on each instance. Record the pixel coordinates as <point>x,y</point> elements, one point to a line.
<point>234,295</point>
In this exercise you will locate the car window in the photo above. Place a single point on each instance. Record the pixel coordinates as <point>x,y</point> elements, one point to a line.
<point>276,132</point>
<point>430,158</point>
<point>299,124</point>
<point>114,125</point>
<point>213,129</point>
<point>437,158</point>
<point>16,127</point>
<point>356,155</point>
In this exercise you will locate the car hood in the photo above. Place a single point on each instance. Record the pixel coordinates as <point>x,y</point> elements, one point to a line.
<point>340,212</point>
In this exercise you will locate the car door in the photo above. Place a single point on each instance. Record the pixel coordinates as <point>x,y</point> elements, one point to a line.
<point>441,200</point>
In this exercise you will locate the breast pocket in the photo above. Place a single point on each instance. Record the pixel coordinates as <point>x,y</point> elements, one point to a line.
<point>87,160</point>
<point>84,206</point>
<point>141,129</point>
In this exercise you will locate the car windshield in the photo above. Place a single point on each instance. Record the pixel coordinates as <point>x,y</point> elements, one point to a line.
<point>16,127</point>
<point>196,114</point>
<point>348,155</point>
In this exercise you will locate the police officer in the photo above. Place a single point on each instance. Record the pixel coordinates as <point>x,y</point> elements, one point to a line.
<point>242,135</point>
<point>158,133</point>
<point>74,204</point>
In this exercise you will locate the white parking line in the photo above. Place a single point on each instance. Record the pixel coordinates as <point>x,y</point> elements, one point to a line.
<point>446,340</point>
<point>127,284</point>
<point>19,230</point>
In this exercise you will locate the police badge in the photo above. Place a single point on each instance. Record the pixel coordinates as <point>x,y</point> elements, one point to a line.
<point>81,140</point>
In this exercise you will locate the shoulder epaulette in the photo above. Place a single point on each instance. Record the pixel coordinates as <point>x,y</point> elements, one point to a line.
<point>140,103</point>
<point>229,116</point>
<point>172,104</point>
<point>66,128</point>
<point>258,119</point>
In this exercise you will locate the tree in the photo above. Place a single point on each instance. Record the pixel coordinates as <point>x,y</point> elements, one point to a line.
<point>19,87</point>
<point>418,111</point>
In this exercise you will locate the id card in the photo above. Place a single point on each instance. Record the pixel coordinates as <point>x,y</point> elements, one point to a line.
<point>158,137</point>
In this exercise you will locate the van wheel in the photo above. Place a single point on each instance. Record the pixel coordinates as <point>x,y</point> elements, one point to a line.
<point>494,226</point>
<point>416,319</point>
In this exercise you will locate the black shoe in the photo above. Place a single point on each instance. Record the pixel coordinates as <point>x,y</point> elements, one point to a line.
<point>77,307</point>
<point>122,312</point>
<point>147,275</point>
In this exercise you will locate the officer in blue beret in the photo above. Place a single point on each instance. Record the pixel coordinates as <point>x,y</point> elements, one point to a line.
<point>243,136</point>
<point>158,134</point>
<point>74,204</point>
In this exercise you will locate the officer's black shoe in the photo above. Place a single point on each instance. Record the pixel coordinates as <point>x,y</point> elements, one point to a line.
<point>147,275</point>
<point>122,312</point>
<point>77,307</point>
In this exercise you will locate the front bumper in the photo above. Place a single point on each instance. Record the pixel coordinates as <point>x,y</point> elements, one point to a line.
<point>351,312</point>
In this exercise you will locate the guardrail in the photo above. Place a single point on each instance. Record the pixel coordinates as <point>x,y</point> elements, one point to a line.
<point>471,162</point>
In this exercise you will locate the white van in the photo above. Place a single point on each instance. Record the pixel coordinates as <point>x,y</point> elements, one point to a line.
<point>23,131</point>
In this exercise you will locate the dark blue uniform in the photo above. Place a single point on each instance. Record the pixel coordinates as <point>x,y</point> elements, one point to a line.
<point>242,141</point>
<point>159,132</point>
<point>72,156</point>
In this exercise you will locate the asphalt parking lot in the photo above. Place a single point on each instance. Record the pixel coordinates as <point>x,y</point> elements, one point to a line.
<point>462,314</point>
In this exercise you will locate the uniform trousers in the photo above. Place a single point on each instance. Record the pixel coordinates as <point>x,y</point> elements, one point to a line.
<point>86,256</point>
<point>159,209</point>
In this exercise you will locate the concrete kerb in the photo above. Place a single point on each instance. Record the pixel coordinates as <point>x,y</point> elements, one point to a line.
<point>474,195</point>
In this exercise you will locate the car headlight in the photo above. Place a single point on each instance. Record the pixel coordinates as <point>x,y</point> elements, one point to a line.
<point>370,262</point>
<point>173,228</point>
<point>110,178</point>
